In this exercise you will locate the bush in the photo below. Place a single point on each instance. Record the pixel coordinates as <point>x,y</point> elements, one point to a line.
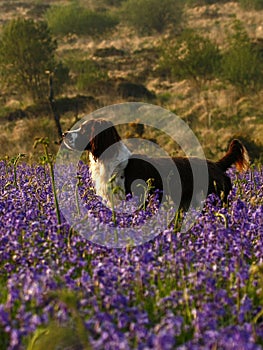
<point>24,62</point>
<point>60,77</point>
<point>205,2</point>
<point>149,16</point>
<point>88,74</point>
<point>74,19</point>
<point>113,2</point>
<point>191,57</point>
<point>251,4</point>
<point>127,89</point>
<point>242,65</point>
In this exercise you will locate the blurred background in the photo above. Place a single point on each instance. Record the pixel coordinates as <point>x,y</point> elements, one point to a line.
<point>200,59</point>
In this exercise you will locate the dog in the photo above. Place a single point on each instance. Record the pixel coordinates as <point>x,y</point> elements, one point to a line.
<point>110,159</point>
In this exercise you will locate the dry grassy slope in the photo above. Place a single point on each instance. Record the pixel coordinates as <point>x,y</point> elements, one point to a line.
<point>215,20</point>
<point>210,113</point>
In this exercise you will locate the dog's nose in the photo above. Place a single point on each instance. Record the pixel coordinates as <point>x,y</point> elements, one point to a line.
<point>68,140</point>
<point>68,137</point>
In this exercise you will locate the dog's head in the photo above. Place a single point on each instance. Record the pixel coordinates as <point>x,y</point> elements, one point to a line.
<point>95,136</point>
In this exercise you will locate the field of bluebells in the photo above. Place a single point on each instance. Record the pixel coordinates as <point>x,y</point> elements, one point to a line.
<point>197,290</point>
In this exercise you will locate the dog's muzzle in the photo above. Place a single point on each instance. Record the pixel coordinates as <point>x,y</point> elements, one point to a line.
<point>69,139</point>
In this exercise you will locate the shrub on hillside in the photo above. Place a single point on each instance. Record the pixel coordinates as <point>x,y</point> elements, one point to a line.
<point>242,64</point>
<point>191,57</point>
<point>251,4</point>
<point>88,74</point>
<point>149,16</point>
<point>113,2</point>
<point>205,2</point>
<point>24,62</point>
<point>128,89</point>
<point>73,18</point>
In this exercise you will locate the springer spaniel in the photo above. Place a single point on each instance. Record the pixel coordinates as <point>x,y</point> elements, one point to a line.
<point>110,160</point>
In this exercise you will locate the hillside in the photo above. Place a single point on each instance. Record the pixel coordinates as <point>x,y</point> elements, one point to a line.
<point>216,114</point>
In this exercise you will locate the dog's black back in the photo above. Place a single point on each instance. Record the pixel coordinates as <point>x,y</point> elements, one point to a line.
<point>179,182</point>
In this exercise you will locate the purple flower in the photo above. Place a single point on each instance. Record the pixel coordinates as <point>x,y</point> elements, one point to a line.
<point>189,290</point>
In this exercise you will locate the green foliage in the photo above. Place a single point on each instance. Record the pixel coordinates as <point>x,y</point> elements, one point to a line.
<point>251,4</point>
<point>88,74</point>
<point>27,51</point>
<point>60,77</point>
<point>204,2</point>
<point>48,160</point>
<point>55,336</point>
<point>191,57</point>
<point>256,275</point>
<point>113,2</point>
<point>73,18</point>
<point>241,64</point>
<point>71,335</point>
<point>4,338</point>
<point>149,16</point>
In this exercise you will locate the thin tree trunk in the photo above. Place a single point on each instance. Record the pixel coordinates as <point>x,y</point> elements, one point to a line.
<point>54,107</point>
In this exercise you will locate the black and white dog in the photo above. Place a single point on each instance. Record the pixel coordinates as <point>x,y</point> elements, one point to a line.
<point>109,157</point>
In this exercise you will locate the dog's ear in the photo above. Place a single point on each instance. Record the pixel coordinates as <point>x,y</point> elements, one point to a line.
<point>103,135</point>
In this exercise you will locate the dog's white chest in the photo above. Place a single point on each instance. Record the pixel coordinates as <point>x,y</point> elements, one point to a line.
<point>108,173</point>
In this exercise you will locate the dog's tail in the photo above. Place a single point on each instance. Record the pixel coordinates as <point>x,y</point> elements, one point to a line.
<point>236,154</point>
